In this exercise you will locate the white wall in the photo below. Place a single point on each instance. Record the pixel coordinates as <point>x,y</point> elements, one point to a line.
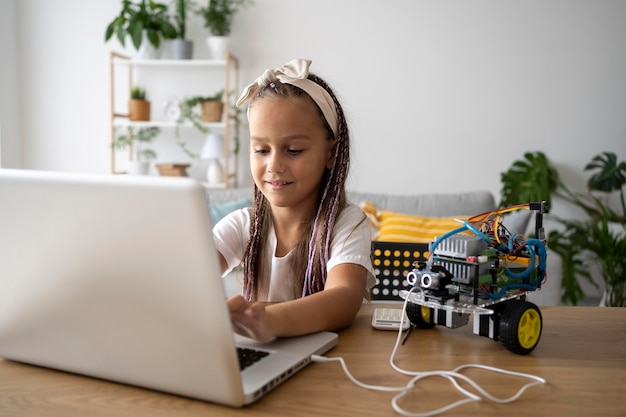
<point>64,89</point>
<point>441,96</point>
<point>10,149</point>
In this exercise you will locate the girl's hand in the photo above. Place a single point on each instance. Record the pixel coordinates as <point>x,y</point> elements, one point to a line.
<point>250,319</point>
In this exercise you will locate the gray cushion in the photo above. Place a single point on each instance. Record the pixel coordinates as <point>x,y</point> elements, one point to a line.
<point>436,205</point>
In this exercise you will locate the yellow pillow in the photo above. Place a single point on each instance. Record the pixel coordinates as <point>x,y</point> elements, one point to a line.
<point>390,226</point>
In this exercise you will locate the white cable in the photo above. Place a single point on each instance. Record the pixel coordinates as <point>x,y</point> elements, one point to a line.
<point>453,376</point>
<point>316,358</point>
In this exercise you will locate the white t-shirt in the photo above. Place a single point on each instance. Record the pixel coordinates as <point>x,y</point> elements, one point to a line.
<point>351,242</point>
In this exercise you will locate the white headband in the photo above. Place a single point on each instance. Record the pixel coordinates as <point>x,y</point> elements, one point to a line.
<point>295,72</point>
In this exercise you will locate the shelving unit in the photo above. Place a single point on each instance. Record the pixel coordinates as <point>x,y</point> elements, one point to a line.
<point>229,125</point>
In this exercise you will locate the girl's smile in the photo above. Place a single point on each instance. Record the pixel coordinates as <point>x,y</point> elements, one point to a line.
<point>277,185</point>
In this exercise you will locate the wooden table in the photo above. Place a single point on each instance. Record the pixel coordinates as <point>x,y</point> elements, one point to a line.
<point>581,354</point>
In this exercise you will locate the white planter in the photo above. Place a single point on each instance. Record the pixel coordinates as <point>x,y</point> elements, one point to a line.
<point>218,46</point>
<point>212,151</point>
<point>147,50</point>
<point>138,168</point>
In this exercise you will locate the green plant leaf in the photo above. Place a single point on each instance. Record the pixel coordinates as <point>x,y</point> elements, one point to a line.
<point>610,175</point>
<point>109,31</point>
<point>137,138</point>
<point>530,180</point>
<point>165,28</point>
<point>121,35</point>
<point>573,267</point>
<point>135,31</point>
<point>147,155</point>
<point>153,37</point>
<point>581,240</point>
<point>218,15</point>
<point>135,17</point>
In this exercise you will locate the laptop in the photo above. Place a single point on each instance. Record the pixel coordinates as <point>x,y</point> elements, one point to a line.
<point>117,277</point>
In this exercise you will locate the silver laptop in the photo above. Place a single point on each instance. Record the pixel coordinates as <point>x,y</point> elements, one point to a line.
<point>117,277</point>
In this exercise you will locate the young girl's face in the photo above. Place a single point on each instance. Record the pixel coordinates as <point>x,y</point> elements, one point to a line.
<point>289,151</point>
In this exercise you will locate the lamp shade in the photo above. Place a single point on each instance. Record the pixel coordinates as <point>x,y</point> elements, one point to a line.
<point>213,147</point>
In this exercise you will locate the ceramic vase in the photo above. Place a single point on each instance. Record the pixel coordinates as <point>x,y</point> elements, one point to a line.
<point>218,47</point>
<point>147,50</point>
<point>138,168</point>
<point>181,49</point>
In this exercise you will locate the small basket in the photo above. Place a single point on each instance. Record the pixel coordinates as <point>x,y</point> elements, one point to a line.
<point>173,170</point>
<point>392,262</point>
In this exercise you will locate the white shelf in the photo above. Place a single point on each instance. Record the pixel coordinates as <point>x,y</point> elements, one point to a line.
<point>163,123</point>
<point>229,67</point>
<point>170,62</point>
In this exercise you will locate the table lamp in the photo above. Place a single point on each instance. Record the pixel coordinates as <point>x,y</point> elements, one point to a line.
<point>212,151</point>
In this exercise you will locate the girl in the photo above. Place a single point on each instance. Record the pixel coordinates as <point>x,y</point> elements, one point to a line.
<point>305,250</point>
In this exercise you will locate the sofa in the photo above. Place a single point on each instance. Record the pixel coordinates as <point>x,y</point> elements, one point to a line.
<point>434,205</point>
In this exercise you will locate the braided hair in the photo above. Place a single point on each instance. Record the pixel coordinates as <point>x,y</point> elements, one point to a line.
<point>309,276</point>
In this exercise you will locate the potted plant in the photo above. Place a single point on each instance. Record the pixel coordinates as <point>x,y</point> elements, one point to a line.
<point>211,110</point>
<point>600,236</point>
<point>147,19</point>
<point>138,106</point>
<point>207,114</point>
<point>136,141</point>
<point>211,107</point>
<point>182,48</point>
<point>218,18</point>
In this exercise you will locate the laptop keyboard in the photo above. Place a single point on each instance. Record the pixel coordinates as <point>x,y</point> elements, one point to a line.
<point>248,357</point>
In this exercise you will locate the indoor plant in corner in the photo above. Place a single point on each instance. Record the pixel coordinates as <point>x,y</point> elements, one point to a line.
<point>599,237</point>
<point>218,18</point>
<point>147,19</point>
<point>181,47</point>
<point>136,141</point>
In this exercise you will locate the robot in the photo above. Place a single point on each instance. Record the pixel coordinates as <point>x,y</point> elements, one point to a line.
<point>481,270</point>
